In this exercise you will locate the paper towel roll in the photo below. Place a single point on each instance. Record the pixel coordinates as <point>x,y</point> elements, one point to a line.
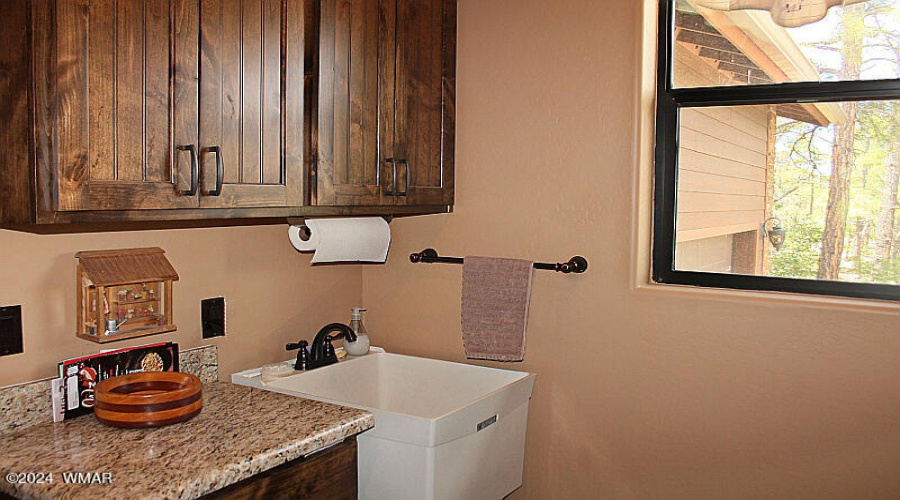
<point>344,240</point>
<point>295,233</point>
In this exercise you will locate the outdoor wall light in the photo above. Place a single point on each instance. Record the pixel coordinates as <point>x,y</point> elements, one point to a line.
<point>776,235</point>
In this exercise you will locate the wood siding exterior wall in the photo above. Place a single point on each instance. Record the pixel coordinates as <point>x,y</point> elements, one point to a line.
<point>722,162</point>
<point>708,255</point>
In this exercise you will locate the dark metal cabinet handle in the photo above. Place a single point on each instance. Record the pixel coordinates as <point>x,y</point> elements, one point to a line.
<point>220,170</point>
<point>406,186</point>
<point>195,169</point>
<point>393,163</point>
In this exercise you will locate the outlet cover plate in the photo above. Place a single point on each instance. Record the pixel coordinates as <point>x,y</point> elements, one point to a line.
<point>212,317</point>
<point>10,330</point>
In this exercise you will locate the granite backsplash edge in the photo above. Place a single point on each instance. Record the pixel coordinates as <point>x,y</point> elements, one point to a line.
<point>28,404</point>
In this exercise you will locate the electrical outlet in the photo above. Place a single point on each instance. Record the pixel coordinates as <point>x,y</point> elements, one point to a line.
<point>212,317</point>
<point>10,330</point>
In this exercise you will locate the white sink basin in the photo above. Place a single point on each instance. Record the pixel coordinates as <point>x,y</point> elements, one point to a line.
<point>462,427</point>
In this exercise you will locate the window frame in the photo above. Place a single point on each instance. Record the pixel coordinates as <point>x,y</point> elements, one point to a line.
<point>670,102</point>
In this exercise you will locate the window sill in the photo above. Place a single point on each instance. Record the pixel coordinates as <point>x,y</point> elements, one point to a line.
<point>781,299</point>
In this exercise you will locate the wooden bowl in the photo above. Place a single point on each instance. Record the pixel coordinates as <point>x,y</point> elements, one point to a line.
<point>144,400</point>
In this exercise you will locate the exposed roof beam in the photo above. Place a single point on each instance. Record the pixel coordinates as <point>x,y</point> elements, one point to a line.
<point>772,49</point>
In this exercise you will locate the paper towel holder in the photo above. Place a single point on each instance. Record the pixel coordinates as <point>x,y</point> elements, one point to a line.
<point>341,239</point>
<point>301,221</point>
<point>306,234</point>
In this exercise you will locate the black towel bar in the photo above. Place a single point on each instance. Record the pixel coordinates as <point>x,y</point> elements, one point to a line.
<point>577,264</point>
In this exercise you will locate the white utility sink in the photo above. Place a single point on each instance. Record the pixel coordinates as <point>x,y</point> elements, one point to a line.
<point>442,429</point>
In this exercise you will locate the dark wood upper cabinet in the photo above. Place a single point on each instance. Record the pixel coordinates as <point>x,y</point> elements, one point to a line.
<point>425,97</point>
<point>386,102</point>
<point>351,122</point>
<point>251,103</point>
<point>119,110</point>
<point>117,87</point>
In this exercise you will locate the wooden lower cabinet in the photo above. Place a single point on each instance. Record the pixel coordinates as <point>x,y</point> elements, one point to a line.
<point>327,475</point>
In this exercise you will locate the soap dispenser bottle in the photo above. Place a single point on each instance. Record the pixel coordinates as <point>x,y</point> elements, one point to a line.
<point>361,346</point>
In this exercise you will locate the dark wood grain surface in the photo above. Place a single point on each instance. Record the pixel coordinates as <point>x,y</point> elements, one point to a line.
<point>386,92</point>
<point>330,474</point>
<point>105,94</point>
<point>113,100</point>
<point>15,156</point>
<point>425,99</point>
<point>251,102</point>
<point>349,156</point>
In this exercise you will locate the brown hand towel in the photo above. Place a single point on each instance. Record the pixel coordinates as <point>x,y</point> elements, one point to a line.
<point>495,298</point>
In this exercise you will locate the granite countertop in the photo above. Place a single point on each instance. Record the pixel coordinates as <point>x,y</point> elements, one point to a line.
<point>240,432</point>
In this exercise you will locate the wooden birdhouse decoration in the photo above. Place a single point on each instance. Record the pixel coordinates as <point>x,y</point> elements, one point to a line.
<point>123,294</point>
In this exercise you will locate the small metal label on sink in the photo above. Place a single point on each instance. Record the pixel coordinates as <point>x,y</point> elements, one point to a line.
<point>487,423</point>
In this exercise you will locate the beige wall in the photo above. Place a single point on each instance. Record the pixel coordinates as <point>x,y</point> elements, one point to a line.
<point>273,295</point>
<point>640,394</point>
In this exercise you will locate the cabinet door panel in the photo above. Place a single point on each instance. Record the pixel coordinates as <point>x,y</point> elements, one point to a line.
<point>251,102</point>
<point>102,98</point>
<point>157,94</point>
<point>121,115</point>
<point>130,91</point>
<point>425,96</point>
<point>350,122</point>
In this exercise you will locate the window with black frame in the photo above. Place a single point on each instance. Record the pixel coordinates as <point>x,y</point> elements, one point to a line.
<point>778,146</point>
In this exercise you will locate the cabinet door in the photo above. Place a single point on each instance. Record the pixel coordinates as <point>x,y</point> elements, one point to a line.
<point>353,124</point>
<point>125,102</point>
<point>251,103</point>
<point>425,94</point>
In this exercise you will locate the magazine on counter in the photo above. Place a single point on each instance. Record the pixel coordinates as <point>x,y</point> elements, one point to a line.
<point>73,392</point>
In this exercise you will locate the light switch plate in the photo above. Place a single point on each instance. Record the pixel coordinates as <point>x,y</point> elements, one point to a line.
<point>10,330</point>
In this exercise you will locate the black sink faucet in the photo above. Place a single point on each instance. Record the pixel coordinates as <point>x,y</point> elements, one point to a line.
<point>321,352</point>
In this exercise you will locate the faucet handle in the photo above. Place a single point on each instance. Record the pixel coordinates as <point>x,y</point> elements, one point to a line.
<point>302,363</point>
<point>293,347</point>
